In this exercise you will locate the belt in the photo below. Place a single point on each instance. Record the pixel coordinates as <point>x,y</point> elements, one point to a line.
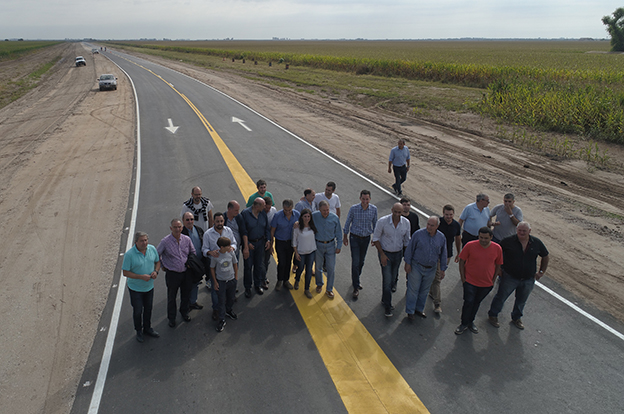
<point>360,237</point>
<point>398,251</point>
<point>426,267</point>
<point>255,240</point>
<point>325,242</point>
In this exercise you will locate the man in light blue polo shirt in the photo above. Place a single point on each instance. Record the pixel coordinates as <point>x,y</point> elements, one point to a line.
<point>473,217</point>
<point>141,265</point>
<point>399,161</point>
<point>328,245</point>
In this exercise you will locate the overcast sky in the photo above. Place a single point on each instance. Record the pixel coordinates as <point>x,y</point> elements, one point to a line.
<point>309,19</point>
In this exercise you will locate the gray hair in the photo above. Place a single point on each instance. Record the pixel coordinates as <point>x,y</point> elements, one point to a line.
<point>436,218</point>
<point>323,204</point>
<point>138,235</point>
<point>482,196</point>
<point>509,196</point>
<point>287,203</point>
<point>524,224</point>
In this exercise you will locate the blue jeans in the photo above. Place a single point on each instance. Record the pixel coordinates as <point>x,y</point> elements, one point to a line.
<point>418,283</point>
<point>508,284</point>
<point>359,247</point>
<point>389,273</point>
<point>255,271</point>
<point>142,309</point>
<point>400,175</point>
<point>307,260</point>
<point>325,252</point>
<point>473,296</point>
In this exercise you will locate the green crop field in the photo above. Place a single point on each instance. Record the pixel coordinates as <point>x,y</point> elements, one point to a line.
<point>562,86</point>
<point>13,49</point>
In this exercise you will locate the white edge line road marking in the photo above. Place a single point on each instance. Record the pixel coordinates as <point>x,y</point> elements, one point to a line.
<point>112,330</point>
<point>546,289</point>
<point>108,349</point>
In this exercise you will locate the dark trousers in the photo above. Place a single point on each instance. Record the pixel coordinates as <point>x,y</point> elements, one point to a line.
<point>285,252</point>
<point>359,247</point>
<point>307,261</point>
<point>142,309</point>
<point>227,294</point>
<point>400,175</point>
<point>389,273</point>
<point>467,237</point>
<point>473,296</point>
<point>508,284</point>
<point>255,271</point>
<point>178,281</point>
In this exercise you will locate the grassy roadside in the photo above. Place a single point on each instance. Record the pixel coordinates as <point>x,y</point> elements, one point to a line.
<point>438,102</point>
<point>11,90</point>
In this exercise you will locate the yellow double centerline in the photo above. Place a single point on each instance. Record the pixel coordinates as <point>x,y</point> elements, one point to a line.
<point>364,376</point>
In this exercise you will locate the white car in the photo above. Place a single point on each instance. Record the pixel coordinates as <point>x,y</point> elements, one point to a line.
<point>80,61</point>
<point>108,81</point>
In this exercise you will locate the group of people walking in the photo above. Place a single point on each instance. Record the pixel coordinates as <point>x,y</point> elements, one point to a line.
<point>306,237</point>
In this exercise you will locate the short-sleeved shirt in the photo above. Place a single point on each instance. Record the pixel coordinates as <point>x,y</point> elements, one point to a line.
<point>474,219</point>
<point>284,226</point>
<point>522,264</point>
<point>481,262</point>
<point>224,265</point>
<point>142,264</point>
<point>506,228</point>
<point>200,211</point>
<point>334,202</point>
<point>302,204</point>
<point>450,231</point>
<point>255,195</point>
<point>399,157</point>
<point>413,220</point>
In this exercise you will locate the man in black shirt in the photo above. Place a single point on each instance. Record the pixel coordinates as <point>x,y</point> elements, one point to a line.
<point>452,231</point>
<point>519,272</point>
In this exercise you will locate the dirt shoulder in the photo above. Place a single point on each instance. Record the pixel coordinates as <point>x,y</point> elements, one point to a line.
<point>65,168</point>
<point>575,209</point>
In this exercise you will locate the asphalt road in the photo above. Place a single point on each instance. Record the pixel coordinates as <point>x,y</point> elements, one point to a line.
<point>267,361</point>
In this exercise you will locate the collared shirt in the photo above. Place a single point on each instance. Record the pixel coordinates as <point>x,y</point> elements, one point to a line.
<point>255,195</point>
<point>255,227</point>
<point>450,231</point>
<point>398,156</point>
<point>142,264</point>
<point>361,222</point>
<point>194,235</point>
<point>233,225</point>
<point>305,204</point>
<point>426,250</point>
<point>519,263</point>
<point>334,201</point>
<point>506,228</point>
<point>480,262</point>
<point>391,238</point>
<point>328,228</point>
<point>211,237</point>
<point>173,255</point>
<point>474,219</point>
<point>283,226</point>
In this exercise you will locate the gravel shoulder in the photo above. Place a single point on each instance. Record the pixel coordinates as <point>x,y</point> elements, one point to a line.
<point>66,162</point>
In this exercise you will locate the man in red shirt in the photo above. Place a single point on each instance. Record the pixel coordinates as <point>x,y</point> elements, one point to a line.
<point>479,264</point>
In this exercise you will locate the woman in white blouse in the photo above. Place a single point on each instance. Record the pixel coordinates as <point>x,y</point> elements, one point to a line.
<point>304,245</point>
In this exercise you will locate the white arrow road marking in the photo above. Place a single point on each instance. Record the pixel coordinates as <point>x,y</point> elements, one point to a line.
<point>172,128</point>
<point>241,122</point>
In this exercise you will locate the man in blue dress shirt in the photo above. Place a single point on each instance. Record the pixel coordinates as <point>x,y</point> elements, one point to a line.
<point>328,245</point>
<point>399,162</point>
<point>426,247</point>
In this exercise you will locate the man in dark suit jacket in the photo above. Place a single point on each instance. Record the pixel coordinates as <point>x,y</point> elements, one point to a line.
<point>196,233</point>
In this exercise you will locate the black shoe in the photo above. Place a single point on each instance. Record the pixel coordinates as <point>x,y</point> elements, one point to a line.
<point>220,325</point>
<point>139,336</point>
<point>393,289</point>
<point>196,306</point>
<point>151,332</point>
<point>265,285</point>
<point>172,323</point>
<point>232,315</point>
<point>247,293</point>
<point>186,318</point>
<point>259,290</point>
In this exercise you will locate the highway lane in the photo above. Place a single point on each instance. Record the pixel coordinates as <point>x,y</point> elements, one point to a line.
<point>267,360</point>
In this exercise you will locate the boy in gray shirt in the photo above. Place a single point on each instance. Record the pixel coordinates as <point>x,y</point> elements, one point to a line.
<point>224,271</point>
